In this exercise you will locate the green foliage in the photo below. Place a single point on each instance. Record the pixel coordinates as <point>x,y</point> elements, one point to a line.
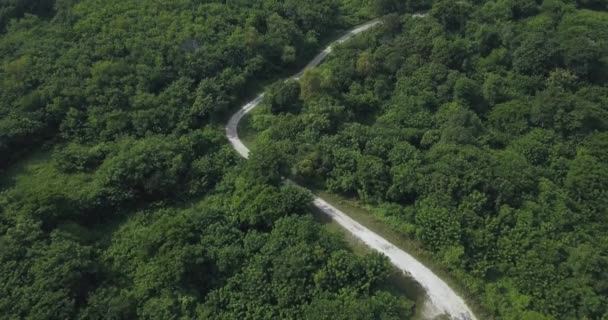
<point>438,227</point>
<point>284,97</point>
<point>535,54</point>
<point>133,206</point>
<point>11,9</point>
<point>451,14</point>
<point>480,131</point>
<point>347,306</point>
<point>382,7</point>
<point>267,163</point>
<point>71,78</point>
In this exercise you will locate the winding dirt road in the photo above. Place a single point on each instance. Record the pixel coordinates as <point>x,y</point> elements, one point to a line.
<point>442,299</point>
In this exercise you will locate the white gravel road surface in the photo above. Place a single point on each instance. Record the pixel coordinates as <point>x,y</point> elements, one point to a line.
<point>441,298</point>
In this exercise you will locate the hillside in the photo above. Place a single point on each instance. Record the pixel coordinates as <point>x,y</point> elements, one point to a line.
<point>480,132</point>
<point>120,197</point>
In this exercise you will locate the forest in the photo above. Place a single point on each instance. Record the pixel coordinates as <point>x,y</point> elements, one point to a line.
<point>479,131</point>
<point>120,197</point>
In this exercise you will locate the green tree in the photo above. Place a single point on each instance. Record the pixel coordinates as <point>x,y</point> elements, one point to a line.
<point>284,97</point>
<point>536,54</point>
<point>438,227</point>
<point>452,14</point>
<point>266,163</point>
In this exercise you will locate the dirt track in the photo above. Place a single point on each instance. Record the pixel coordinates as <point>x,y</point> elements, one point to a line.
<point>443,300</point>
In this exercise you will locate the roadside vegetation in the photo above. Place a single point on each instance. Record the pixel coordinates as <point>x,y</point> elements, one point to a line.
<point>120,197</point>
<point>479,131</point>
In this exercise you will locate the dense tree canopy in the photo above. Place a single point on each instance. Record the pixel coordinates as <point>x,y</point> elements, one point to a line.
<point>99,71</point>
<point>479,131</point>
<point>119,195</point>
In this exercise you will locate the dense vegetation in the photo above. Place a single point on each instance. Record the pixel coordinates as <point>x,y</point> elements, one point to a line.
<point>120,198</point>
<point>482,132</point>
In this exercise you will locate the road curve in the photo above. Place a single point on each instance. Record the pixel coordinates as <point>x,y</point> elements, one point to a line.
<point>443,299</point>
